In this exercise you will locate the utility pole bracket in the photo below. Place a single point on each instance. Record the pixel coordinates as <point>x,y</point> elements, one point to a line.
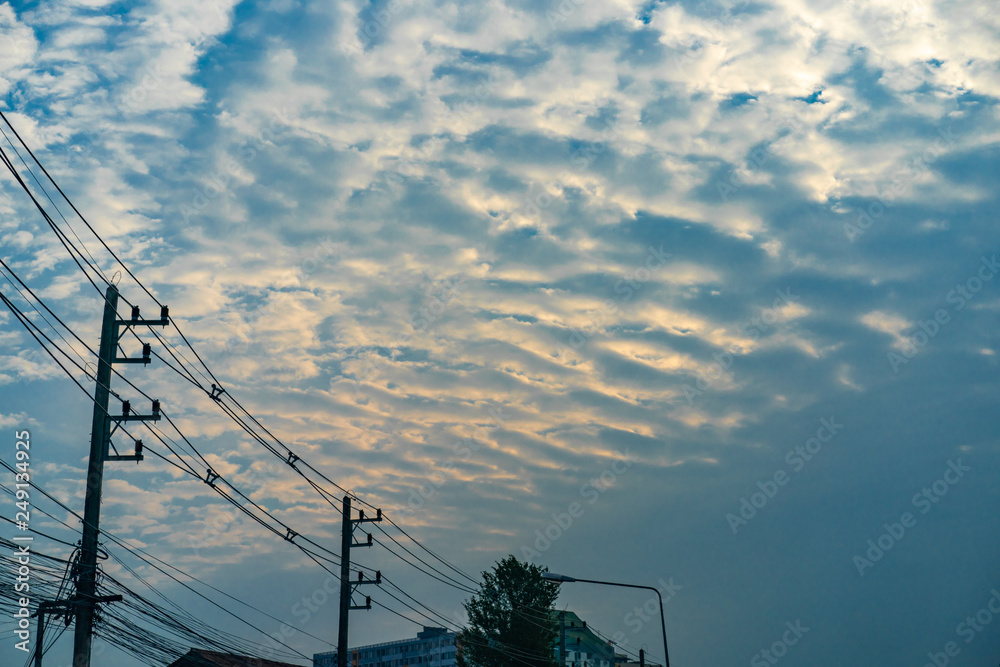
<point>137,320</point>
<point>366,607</point>
<point>124,457</point>
<point>369,543</point>
<point>362,581</point>
<point>362,519</point>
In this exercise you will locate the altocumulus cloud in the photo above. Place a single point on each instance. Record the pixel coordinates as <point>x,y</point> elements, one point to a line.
<point>533,153</point>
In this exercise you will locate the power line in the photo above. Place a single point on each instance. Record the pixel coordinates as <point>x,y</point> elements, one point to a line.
<point>218,394</point>
<point>63,239</point>
<point>148,558</point>
<point>41,187</point>
<point>75,210</point>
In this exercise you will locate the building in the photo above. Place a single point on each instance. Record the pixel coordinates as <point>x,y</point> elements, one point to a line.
<point>578,646</point>
<point>432,647</point>
<point>201,658</point>
<point>626,661</point>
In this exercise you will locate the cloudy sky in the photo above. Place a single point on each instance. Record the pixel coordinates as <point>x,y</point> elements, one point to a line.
<point>699,293</point>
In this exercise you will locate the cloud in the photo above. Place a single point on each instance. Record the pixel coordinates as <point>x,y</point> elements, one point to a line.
<point>19,44</point>
<point>385,224</point>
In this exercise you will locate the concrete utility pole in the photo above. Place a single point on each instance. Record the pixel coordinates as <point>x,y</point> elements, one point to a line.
<point>100,440</point>
<point>346,586</point>
<point>60,607</point>
<point>39,634</point>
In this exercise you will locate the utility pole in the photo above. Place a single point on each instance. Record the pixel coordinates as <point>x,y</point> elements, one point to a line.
<point>642,658</point>
<point>54,606</point>
<point>39,634</point>
<point>100,440</point>
<point>347,587</point>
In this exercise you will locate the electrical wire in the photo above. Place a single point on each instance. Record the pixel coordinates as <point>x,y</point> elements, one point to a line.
<point>75,210</point>
<point>183,368</point>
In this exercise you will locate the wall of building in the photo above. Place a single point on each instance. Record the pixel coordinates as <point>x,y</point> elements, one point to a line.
<point>578,644</point>
<point>435,647</point>
<point>432,647</point>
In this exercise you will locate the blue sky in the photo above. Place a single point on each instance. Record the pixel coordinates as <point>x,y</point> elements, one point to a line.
<point>468,257</point>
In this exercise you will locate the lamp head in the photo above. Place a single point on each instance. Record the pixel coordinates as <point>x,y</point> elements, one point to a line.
<point>552,576</point>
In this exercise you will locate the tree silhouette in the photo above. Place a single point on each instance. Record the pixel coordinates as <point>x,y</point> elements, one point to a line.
<point>510,619</point>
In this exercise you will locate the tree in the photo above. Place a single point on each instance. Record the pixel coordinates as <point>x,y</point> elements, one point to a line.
<point>511,620</point>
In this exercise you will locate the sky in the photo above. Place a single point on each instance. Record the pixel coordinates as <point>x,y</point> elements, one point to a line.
<point>695,295</point>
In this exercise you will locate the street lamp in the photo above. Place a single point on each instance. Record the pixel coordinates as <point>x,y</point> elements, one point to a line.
<point>562,578</point>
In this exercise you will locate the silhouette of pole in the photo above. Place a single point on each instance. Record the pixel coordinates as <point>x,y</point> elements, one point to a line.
<point>345,583</point>
<point>87,581</point>
<point>40,635</point>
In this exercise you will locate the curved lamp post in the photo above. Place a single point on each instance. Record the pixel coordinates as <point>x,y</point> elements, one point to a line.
<point>552,576</point>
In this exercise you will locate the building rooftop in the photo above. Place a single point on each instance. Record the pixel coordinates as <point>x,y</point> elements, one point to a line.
<point>202,658</point>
